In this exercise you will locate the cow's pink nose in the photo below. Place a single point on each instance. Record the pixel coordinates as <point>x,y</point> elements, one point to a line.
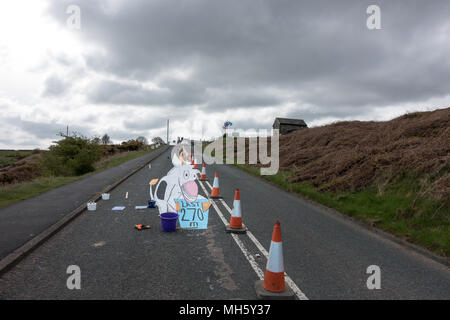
<point>191,189</point>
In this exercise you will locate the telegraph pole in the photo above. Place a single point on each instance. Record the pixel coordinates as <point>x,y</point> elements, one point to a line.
<point>168,143</point>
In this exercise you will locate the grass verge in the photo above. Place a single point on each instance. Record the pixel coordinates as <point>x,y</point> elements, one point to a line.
<point>396,209</point>
<point>21,191</point>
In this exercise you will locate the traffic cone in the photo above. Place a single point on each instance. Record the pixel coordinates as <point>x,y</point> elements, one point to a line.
<point>203,176</point>
<point>215,194</point>
<point>273,286</point>
<point>236,225</point>
<point>195,163</point>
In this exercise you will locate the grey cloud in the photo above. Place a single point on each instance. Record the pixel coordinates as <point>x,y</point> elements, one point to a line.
<point>63,60</point>
<point>112,92</point>
<point>241,97</point>
<point>180,93</point>
<point>42,130</point>
<point>18,144</point>
<point>317,52</point>
<point>174,93</point>
<point>50,130</point>
<point>145,124</point>
<point>184,92</point>
<point>55,87</point>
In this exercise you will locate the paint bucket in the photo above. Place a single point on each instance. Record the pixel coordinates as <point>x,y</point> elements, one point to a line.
<point>91,206</point>
<point>169,221</point>
<point>151,203</point>
<point>105,196</point>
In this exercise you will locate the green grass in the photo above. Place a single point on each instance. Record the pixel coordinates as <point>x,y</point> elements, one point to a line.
<point>121,159</point>
<point>18,192</point>
<point>22,191</point>
<point>8,157</point>
<point>422,221</point>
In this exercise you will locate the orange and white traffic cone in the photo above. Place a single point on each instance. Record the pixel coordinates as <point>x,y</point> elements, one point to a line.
<point>195,163</point>
<point>203,175</point>
<point>215,193</point>
<point>273,286</point>
<point>236,225</point>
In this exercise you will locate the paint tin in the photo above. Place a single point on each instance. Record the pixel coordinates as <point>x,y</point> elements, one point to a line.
<point>151,203</point>
<point>92,206</point>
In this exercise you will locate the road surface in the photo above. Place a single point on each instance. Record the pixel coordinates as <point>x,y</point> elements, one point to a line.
<point>22,221</point>
<point>325,255</point>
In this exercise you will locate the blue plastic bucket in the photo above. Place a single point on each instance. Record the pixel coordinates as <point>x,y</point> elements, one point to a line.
<point>169,221</point>
<point>151,204</point>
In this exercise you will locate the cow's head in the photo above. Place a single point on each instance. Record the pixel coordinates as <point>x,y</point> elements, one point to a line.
<point>186,176</point>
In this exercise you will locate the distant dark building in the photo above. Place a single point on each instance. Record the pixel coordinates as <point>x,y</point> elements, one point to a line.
<point>286,125</point>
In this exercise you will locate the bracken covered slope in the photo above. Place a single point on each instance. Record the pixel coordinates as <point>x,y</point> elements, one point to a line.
<point>354,155</point>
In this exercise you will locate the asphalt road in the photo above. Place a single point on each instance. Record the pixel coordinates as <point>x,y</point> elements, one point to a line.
<point>22,221</point>
<point>325,255</point>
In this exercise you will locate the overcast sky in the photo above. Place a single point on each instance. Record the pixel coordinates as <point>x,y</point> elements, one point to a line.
<point>134,64</point>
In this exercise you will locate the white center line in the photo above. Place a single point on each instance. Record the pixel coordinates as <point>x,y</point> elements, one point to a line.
<point>251,236</point>
<point>246,253</point>
<point>288,279</point>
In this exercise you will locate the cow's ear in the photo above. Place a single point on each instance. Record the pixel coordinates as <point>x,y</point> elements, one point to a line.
<point>176,160</point>
<point>182,157</point>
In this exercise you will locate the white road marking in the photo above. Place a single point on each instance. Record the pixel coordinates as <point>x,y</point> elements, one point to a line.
<point>249,233</point>
<point>288,279</point>
<point>126,195</point>
<point>209,185</point>
<point>246,253</point>
<point>251,236</point>
<point>98,244</point>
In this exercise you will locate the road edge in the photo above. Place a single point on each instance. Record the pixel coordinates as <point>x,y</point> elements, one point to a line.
<point>8,262</point>
<point>336,214</point>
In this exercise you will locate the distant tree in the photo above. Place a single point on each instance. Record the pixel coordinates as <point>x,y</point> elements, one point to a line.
<point>158,140</point>
<point>106,139</point>
<point>74,155</point>
<point>130,145</point>
<point>96,140</point>
<point>142,140</point>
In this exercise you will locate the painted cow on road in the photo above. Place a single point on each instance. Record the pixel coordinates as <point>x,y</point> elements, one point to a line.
<point>179,184</point>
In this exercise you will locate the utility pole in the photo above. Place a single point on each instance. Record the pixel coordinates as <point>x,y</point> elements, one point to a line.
<point>67,134</point>
<point>168,143</point>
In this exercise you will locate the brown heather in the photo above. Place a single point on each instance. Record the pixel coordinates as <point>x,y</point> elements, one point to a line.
<point>353,155</point>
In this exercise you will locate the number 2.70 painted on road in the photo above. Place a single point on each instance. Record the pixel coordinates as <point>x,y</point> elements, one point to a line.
<point>196,212</point>
<point>193,215</point>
